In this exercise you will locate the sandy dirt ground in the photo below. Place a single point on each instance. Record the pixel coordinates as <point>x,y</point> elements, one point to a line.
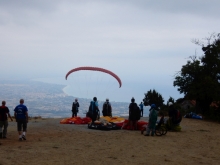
<point>51,143</point>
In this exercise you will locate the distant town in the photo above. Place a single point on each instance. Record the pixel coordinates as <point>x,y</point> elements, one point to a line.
<point>48,100</point>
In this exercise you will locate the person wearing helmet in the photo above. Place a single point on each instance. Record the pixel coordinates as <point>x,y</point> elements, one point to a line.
<point>75,108</point>
<point>152,121</point>
<point>107,108</point>
<point>93,112</point>
<point>134,114</point>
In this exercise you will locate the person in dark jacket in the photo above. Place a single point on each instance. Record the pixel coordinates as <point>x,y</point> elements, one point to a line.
<point>134,114</point>
<point>75,108</point>
<point>172,110</point>
<point>4,114</point>
<point>107,108</point>
<point>175,117</point>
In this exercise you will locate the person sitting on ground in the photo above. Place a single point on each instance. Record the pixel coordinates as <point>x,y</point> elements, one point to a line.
<point>75,108</point>
<point>152,121</point>
<point>4,114</point>
<point>134,114</point>
<point>175,118</point>
<point>93,112</point>
<point>107,108</point>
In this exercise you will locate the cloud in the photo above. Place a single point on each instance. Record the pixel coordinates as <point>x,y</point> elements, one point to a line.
<point>133,38</point>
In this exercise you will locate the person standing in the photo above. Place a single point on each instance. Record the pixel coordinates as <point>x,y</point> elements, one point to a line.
<point>4,114</point>
<point>94,110</point>
<point>141,105</point>
<point>75,108</point>
<point>107,108</point>
<point>21,116</point>
<point>152,121</point>
<point>134,114</point>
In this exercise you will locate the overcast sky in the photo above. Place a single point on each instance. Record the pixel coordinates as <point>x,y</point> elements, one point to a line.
<point>144,42</point>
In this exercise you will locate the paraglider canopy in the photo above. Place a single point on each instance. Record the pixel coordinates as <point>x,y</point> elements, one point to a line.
<point>95,69</point>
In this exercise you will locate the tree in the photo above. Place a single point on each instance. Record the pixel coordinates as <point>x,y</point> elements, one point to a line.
<point>180,100</point>
<point>199,78</point>
<point>153,97</point>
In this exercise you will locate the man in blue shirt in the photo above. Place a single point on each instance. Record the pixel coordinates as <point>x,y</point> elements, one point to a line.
<point>141,105</point>
<point>21,116</point>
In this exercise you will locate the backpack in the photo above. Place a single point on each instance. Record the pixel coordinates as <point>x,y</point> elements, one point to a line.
<point>92,107</point>
<point>107,109</point>
<point>106,106</point>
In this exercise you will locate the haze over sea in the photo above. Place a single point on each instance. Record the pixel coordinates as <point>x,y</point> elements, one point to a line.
<point>104,88</point>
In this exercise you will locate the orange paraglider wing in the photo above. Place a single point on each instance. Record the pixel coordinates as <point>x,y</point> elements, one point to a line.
<point>95,69</point>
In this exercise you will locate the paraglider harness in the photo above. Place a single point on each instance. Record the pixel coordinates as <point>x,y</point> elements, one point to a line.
<point>107,109</point>
<point>75,107</point>
<point>93,111</point>
<point>94,114</point>
<point>103,126</point>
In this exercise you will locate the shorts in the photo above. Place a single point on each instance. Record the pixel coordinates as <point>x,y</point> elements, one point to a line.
<point>22,124</point>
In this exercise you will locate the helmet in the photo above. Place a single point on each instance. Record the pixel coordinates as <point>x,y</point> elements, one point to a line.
<point>76,99</point>
<point>107,99</point>
<point>153,106</point>
<point>170,103</point>
<point>132,99</point>
<point>94,99</point>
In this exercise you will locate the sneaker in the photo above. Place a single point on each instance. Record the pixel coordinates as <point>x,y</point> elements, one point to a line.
<point>146,135</point>
<point>20,139</point>
<point>4,137</point>
<point>23,137</point>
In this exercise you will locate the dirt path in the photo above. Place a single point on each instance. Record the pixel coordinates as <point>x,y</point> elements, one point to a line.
<point>49,142</point>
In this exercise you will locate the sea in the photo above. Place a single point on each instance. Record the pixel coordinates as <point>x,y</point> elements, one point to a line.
<point>87,87</point>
